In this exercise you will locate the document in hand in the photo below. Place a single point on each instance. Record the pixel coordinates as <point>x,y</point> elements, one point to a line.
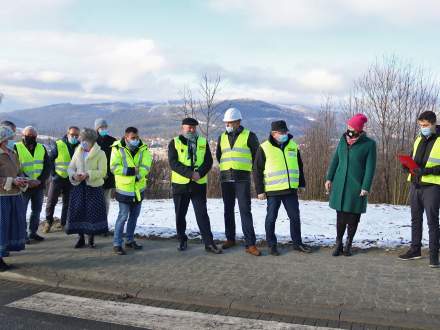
<point>408,162</point>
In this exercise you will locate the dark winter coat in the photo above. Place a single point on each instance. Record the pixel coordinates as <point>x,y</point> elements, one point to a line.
<point>352,170</point>
<point>260,163</point>
<point>237,175</point>
<point>187,171</point>
<point>106,142</point>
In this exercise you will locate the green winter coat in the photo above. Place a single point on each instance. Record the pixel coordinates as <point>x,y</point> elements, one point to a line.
<point>352,170</point>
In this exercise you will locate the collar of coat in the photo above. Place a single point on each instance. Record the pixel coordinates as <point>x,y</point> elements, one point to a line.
<point>92,153</point>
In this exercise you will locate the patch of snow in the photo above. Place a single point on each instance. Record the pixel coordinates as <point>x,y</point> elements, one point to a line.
<point>383,226</point>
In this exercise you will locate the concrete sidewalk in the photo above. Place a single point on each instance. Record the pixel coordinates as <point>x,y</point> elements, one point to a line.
<point>371,287</point>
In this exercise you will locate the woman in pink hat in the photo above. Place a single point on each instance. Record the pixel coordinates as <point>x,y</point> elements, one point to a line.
<point>349,180</point>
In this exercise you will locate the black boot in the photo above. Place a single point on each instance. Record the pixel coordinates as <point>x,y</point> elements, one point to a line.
<point>183,245</point>
<point>433,259</point>
<point>81,242</point>
<point>351,231</point>
<point>3,266</point>
<point>92,241</point>
<point>339,248</point>
<point>347,248</point>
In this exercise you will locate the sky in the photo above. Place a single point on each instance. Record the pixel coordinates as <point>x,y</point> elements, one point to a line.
<point>282,51</point>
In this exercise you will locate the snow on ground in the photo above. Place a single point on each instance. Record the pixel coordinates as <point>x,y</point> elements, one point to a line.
<point>384,226</point>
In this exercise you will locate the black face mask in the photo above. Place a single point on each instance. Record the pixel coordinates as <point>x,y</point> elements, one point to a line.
<point>30,140</point>
<point>352,134</point>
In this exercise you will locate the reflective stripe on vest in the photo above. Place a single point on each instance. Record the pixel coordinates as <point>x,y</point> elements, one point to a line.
<point>63,159</point>
<point>281,170</point>
<point>239,157</point>
<point>182,152</point>
<point>127,185</point>
<point>32,166</point>
<point>433,160</point>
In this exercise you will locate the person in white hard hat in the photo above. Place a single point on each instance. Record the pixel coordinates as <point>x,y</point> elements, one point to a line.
<point>236,150</point>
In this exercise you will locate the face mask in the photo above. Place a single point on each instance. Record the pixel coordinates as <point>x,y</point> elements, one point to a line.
<point>229,129</point>
<point>352,134</point>
<point>103,132</point>
<point>85,145</point>
<point>133,143</point>
<point>29,140</point>
<point>11,144</point>
<point>426,131</point>
<point>283,138</point>
<point>191,136</point>
<point>72,140</point>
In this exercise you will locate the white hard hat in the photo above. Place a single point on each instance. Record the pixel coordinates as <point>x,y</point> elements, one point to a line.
<point>232,114</point>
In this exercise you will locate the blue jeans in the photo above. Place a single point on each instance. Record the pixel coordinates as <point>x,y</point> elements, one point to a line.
<point>36,197</point>
<point>128,212</point>
<point>291,205</point>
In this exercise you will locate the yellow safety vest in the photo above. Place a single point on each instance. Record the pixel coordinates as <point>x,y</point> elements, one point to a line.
<point>63,159</point>
<point>281,170</point>
<point>239,157</point>
<point>32,166</point>
<point>121,159</point>
<point>182,152</point>
<point>433,160</point>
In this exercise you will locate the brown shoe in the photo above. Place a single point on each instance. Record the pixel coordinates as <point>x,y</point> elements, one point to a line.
<point>253,250</point>
<point>46,228</point>
<point>228,244</point>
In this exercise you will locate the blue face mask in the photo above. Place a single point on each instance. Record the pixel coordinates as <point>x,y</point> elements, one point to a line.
<point>11,144</point>
<point>85,145</point>
<point>72,140</point>
<point>103,132</point>
<point>133,143</point>
<point>426,131</point>
<point>283,138</point>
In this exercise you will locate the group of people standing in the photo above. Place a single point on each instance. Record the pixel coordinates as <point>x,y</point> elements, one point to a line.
<point>88,167</point>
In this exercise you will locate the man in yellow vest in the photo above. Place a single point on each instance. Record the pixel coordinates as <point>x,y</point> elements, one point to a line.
<point>236,148</point>
<point>130,162</point>
<point>60,157</point>
<point>278,173</point>
<point>35,164</point>
<point>425,189</point>
<point>190,160</point>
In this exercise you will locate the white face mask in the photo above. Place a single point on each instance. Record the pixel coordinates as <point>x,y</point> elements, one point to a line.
<point>229,129</point>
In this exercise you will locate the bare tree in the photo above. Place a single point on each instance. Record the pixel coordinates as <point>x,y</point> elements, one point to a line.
<point>392,94</point>
<point>317,147</point>
<point>204,108</point>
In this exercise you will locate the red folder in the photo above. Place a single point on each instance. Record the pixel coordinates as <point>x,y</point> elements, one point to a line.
<point>408,162</point>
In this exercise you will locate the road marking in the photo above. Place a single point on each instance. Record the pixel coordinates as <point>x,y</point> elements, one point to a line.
<point>141,316</point>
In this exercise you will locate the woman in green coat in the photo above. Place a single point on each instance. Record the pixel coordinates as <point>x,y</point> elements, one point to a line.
<point>349,180</point>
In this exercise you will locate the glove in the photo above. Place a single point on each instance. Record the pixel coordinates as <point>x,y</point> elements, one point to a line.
<point>418,172</point>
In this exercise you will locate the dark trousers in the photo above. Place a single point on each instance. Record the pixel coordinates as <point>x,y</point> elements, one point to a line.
<point>425,199</point>
<point>242,192</point>
<point>36,198</point>
<point>56,188</point>
<point>349,221</point>
<point>291,205</point>
<point>181,204</point>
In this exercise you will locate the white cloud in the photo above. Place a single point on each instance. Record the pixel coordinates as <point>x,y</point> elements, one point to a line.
<point>321,81</point>
<point>322,13</point>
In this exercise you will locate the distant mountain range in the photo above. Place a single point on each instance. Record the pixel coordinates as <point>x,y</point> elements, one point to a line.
<point>154,119</point>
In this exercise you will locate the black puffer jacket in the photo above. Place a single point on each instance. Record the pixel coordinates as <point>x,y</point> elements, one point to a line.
<point>106,142</point>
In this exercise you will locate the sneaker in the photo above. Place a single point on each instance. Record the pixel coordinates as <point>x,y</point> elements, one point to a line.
<point>213,249</point>
<point>302,248</point>
<point>133,245</point>
<point>36,237</point>
<point>411,254</point>
<point>3,266</point>
<point>118,250</point>
<point>228,244</point>
<point>433,260</point>
<point>274,251</point>
<point>183,245</point>
<point>253,250</point>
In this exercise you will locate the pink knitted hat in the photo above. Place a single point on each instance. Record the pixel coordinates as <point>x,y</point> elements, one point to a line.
<point>358,121</point>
